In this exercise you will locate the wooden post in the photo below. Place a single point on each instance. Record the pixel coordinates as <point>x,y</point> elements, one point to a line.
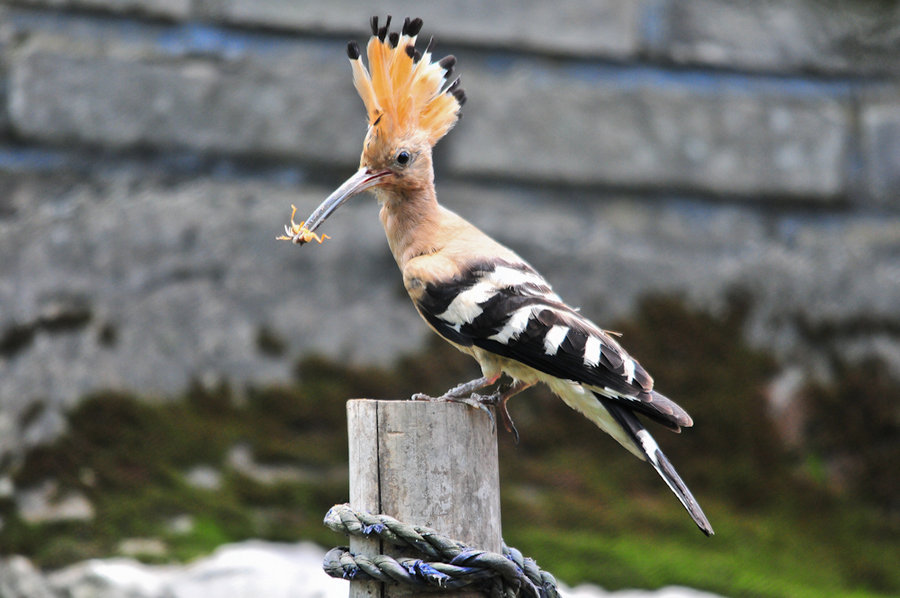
<point>424,463</point>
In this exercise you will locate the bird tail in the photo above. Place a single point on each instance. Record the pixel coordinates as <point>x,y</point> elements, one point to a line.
<point>658,460</point>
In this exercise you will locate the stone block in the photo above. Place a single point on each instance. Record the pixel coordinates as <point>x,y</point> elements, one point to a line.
<point>589,127</point>
<point>835,36</point>
<point>4,114</point>
<point>582,27</point>
<point>276,102</point>
<point>171,9</point>
<point>6,38</point>
<point>881,148</point>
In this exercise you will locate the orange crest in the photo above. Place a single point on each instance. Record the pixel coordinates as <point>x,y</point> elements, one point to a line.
<point>403,90</point>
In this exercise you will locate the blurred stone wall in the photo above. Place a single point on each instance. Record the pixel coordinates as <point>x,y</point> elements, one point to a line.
<point>150,151</point>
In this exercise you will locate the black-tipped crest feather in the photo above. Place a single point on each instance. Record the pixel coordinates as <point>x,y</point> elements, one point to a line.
<point>408,97</point>
<point>415,26</point>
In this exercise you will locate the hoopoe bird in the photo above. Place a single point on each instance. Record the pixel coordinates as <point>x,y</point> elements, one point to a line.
<point>474,292</point>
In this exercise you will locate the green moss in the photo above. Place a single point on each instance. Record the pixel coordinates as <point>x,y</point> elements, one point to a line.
<point>574,500</point>
<point>130,459</point>
<point>856,420</point>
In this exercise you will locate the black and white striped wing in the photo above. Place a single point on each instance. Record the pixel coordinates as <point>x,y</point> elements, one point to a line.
<point>510,310</point>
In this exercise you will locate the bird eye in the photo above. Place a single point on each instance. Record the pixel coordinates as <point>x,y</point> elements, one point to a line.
<point>403,157</point>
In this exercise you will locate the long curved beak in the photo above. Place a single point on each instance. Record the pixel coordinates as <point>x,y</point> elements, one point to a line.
<point>363,179</point>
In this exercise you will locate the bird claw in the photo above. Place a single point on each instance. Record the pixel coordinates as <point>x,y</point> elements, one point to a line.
<point>509,425</point>
<point>298,233</point>
<point>497,399</point>
<point>492,399</point>
<point>477,402</point>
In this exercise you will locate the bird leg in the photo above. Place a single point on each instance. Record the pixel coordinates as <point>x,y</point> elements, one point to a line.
<point>515,389</point>
<point>458,393</point>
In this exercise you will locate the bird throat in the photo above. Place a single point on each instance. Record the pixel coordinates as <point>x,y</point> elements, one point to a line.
<point>411,219</point>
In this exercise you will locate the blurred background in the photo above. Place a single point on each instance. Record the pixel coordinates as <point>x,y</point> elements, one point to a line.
<point>716,179</point>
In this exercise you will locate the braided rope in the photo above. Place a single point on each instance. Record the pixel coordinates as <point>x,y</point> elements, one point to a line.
<point>450,565</point>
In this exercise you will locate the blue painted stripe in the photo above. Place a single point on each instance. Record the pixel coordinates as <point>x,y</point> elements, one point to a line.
<point>24,159</point>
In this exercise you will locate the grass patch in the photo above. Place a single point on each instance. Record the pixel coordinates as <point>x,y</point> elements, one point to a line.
<point>132,460</point>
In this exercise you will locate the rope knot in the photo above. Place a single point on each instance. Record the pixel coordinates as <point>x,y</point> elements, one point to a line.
<point>447,563</point>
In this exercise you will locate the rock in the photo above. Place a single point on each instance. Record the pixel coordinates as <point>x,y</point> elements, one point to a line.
<point>252,568</point>
<point>591,591</point>
<point>44,504</point>
<point>7,488</point>
<point>204,477</point>
<point>248,569</point>
<point>784,398</point>
<point>20,579</point>
<point>10,435</point>
<point>240,458</point>
<point>142,548</point>
<point>112,578</point>
<point>181,524</point>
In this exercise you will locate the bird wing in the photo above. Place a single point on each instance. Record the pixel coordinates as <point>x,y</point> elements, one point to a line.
<point>507,308</point>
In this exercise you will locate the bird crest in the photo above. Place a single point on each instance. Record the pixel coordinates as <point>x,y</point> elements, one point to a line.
<point>404,92</point>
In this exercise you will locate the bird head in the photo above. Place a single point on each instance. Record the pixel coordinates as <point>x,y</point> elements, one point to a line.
<point>411,103</point>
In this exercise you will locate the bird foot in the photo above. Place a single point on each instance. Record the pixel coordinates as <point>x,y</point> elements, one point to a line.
<point>477,401</point>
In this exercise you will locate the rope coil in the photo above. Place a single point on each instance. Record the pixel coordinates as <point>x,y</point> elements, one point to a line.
<point>446,564</point>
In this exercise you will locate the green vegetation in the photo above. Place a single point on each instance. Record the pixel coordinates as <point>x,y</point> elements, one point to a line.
<point>572,499</point>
